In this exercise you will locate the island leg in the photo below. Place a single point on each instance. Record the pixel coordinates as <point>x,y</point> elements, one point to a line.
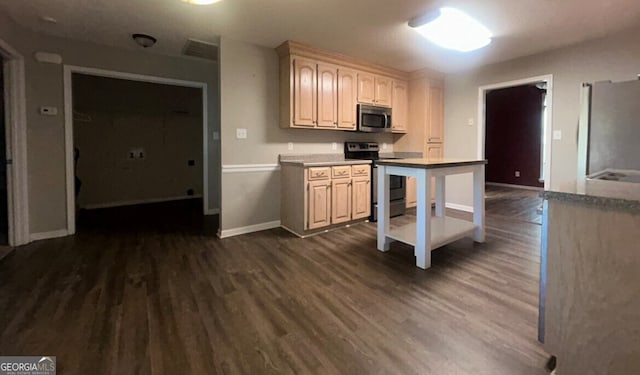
<point>383,208</point>
<point>478,203</point>
<point>440,196</point>
<point>423,220</point>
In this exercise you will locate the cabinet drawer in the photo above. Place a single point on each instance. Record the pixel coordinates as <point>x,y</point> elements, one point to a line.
<point>361,170</point>
<point>319,173</point>
<point>342,171</point>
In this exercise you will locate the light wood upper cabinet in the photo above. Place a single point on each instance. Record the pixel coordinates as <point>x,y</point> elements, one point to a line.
<point>304,92</point>
<point>366,88</point>
<point>436,116</point>
<point>322,89</point>
<point>399,105</point>
<point>327,96</point>
<point>374,90</point>
<point>319,204</point>
<point>361,199</point>
<point>347,99</point>
<point>384,88</point>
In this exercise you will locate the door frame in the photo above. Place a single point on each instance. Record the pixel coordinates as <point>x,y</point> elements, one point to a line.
<point>16,141</point>
<point>69,70</point>
<point>482,91</point>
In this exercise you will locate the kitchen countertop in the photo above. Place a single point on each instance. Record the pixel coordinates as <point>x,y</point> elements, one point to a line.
<point>612,195</point>
<point>430,164</point>
<point>319,160</point>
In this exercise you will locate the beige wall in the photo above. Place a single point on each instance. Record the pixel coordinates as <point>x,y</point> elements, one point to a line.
<point>45,135</point>
<point>612,58</point>
<point>249,99</point>
<point>117,116</point>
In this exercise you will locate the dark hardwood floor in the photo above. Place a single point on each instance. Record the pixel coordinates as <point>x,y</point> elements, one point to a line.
<point>164,297</point>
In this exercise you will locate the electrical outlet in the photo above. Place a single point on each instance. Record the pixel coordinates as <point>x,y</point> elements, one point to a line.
<point>131,154</point>
<point>241,133</point>
<point>384,146</point>
<point>216,136</point>
<point>517,173</point>
<point>557,135</point>
<point>141,153</point>
<point>334,146</point>
<point>470,121</point>
<point>290,146</point>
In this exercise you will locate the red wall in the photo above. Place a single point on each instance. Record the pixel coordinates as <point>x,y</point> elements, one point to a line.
<point>513,135</point>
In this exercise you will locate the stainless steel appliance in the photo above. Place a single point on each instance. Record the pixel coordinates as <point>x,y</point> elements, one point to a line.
<point>373,119</point>
<point>370,151</point>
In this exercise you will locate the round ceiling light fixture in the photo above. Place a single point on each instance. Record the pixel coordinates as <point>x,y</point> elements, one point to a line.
<point>144,40</point>
<point>201,2</point>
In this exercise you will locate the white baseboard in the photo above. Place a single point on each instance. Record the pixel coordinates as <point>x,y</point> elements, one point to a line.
<point>248,229</point>
<point>459,207</point>
<point>514,186</point>
<point>48,235</point>
<point>138,201</point>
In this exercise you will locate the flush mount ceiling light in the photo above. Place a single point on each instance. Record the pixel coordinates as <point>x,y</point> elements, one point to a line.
<point>144,40</point>
<point>452,29</point>
<point>201,2</point>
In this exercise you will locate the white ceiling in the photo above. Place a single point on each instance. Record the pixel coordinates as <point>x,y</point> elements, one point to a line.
<point>375,30</point>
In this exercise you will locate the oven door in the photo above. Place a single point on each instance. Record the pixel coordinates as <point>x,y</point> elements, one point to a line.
<point>397,195</point>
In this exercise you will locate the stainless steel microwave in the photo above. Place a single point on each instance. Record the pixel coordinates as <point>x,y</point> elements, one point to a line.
<point>373,119</point>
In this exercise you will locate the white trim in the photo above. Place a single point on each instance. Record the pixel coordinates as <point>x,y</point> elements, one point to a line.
<point>68,127</point>
<point>138,201</point>
<point>16,141</point>
<point>48,235</point>
<point>246,168</point>
<point>248,229</point>
<point>523,187</point>
<point>548,78</point>
<point>459,207</point>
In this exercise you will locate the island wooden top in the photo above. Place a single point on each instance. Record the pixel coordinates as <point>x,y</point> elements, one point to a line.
<point>430,164</point>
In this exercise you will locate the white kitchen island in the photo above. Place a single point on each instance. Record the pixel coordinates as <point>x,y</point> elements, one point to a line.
<point>429,232</point>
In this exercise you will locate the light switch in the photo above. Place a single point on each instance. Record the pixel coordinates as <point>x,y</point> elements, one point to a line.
<point>557,135</point>
<point>241,133</point>
<point>470,121</point>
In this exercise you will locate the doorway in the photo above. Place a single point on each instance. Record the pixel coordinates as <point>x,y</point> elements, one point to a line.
<point>537,137</point>
<point>4,207</point>
<point>133,141</point>
<point>514,122</point>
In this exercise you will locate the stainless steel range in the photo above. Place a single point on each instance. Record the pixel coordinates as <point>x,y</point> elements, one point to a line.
<point>370,151</point>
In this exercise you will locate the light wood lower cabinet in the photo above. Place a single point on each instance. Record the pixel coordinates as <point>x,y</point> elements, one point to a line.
<point>319,204</point>
<point>319,197</point>
<point>411,195</point>
<point>340,200</point>
<point>361,199</point>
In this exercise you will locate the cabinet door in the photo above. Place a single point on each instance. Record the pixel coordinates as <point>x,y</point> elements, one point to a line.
<point>361,198</point>
<point>436,116</point>
<point>341,200</point>
<point>434,151</point>
<point>347,99</point>
<point>366,88</point>
<point>399,105</point>
<point>327,96</point>
<point>304,92</point>
<point>411,192</point>
<point>383,91</point>
<point>319,204</point>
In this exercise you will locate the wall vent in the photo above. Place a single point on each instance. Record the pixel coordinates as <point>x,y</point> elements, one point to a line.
<point>200,49</point>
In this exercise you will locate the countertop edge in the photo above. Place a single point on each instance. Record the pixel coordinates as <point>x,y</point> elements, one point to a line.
<point>608,203</point>
<point>429,165</point>
<point>302,163</point>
